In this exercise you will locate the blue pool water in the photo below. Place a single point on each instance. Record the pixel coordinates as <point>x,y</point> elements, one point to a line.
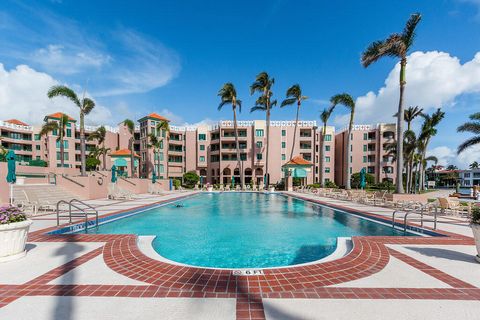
<point>240,230</point>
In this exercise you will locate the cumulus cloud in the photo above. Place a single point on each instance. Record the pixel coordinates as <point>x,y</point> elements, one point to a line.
<point>434,79</point>
<point>447,156</point>
<point>23,95</point>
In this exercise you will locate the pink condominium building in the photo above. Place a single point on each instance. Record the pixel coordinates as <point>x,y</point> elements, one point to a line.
<point>209,150</point>
<point>368,150</point>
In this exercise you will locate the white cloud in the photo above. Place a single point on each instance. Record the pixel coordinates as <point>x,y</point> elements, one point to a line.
<point>447,156</point>
<point>434,79</point>
<point>58,59</point>
<point>23,95</point>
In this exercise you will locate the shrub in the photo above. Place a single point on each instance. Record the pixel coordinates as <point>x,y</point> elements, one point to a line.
<point>91,163</point>
<point>190,179</point>
<point>330,184</point>
<point>10,214</point>
<point>176,183</point>
<point>314,185</point>
<point>38,163</point>
<point>355,179</point>
<point>475,218</point>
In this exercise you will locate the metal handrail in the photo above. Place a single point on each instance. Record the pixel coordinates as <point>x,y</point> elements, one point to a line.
<point>127,181</point>
<point>412,209</point>
<point>70,215</point>
<point>71,180</point>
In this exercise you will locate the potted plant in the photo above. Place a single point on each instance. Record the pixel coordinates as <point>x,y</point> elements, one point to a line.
<point>475,224</point>
<point>14,227</point>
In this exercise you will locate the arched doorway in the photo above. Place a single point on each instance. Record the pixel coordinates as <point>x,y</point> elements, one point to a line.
<point>227,173</point>
<point>259,176</point>
<point>248,175</point>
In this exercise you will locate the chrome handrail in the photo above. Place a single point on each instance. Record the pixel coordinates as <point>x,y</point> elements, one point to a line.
<point>70,215</point>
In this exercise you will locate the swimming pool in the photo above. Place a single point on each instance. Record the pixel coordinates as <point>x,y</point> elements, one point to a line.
<point>245,230</point>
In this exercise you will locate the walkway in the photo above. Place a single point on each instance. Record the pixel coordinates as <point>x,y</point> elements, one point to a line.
<point>108,277</point>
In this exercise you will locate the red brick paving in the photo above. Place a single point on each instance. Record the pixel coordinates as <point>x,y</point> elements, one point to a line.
<point>164,280</point>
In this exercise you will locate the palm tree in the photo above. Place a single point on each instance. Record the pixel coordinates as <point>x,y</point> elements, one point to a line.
<point>410,114</point>
<point>155,144</point>
<point>410,146</point>
<point>228,95</point>
<point>131,129</point>
<point>474,165</point>
<point>294,95</point>
<point>263,85</point>
<point>100,135</point>
<point>163,131</point>
<point>346,100</point>
<point>472,127</point>
<point>396,45</point>
<point>85,105</point>
<point>61,127</point>
<point>427,131</point>
<point>324,116</point>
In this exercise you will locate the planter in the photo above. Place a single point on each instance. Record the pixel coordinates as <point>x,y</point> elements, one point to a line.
<point>476,236</point>
<point>209,189</point>
<point>13,238</point>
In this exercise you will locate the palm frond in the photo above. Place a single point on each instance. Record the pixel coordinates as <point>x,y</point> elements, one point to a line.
<point>48,127</point>
<point>475,116</point>
<point>343,99</point>
<point>468,143</point>
<point>88,105</point>
<point>64,91</point>
<point>130,125</point>
<point>473,127</point>
<point>288,102</point>
<point>408,34</point>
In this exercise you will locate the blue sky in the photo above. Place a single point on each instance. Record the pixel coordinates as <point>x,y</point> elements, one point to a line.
<point>172,57</point>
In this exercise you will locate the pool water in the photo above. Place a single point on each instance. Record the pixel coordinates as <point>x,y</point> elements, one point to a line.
<point>245,230</point>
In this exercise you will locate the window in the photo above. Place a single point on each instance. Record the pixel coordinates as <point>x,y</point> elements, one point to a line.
<point>259,156</point>
<point>328,137</point>
<point>284,144</point>
<point>364,148</point>
<point>65,144</point>
<point>283,156</point>
<point>284,133</point>
<point>202,147</point>
<point>202,137</point>
<point>161,144</point>
<point>69,133</point>
<point>259,132</point>
<point>162,168</point>
<point>327,148</point>
<point>37,157</point>
<point>202,159</point>
<point>259,144</point>
<point>37,147</point>
<point>327,169</point>
<point>37,137</point>
<point>55,132</point>
<point>327,159</point>
<point>350,170</point>
<point>243,156</point>
<point>365,136</point>
<point>364,159</point>
<point>351,136</point>
<point>161,156</point>
<point>351,147</point>
<point>65,156</point>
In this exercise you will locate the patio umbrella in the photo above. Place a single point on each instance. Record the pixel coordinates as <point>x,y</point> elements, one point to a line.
<point>114,173</point>
<point>233,182</point>
<point>363,180</point>
<point>11,176</point>
<point>201,180</point>
<point>154,177</point>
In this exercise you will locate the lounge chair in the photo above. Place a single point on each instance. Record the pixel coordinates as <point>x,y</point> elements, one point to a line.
<point>115,192</point>
<point>454,207</point>
<point>154,189</point>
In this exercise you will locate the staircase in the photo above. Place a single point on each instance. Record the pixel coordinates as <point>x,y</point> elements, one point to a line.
<point>47,192</point>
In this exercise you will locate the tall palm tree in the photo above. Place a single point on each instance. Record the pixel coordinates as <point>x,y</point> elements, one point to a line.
<point>346,100</point>
<point>324,116</point>
<point>61,127</point>
<point>263,84</point>
<point>474,165</point>
<point>396,45</point>
<point>163,131</point>
<point>228,95</point>
<point>410,114</point>
<point>85,105</point>
<point>155,144</point>
<point>410,146</point>
<point>100,135</point>
<point>428,130</point>
<point>472,127</point>
<point>131,129</point>
<point>294,95</point>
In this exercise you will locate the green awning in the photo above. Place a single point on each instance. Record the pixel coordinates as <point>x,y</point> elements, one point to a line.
<point>299,173</point>
<point>120,162</point>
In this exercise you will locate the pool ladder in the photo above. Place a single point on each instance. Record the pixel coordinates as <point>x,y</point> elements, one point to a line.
<point>83,212</point>
<point>414,208</point>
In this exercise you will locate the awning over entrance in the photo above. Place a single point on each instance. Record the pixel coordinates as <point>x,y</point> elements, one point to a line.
<point>120,162</point>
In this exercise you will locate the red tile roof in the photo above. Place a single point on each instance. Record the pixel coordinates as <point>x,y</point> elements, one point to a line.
<point>17,122</point>
<point>298,160</point>
<point>156,116</point>
<point>123,152</point>
<point>58,115</point>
